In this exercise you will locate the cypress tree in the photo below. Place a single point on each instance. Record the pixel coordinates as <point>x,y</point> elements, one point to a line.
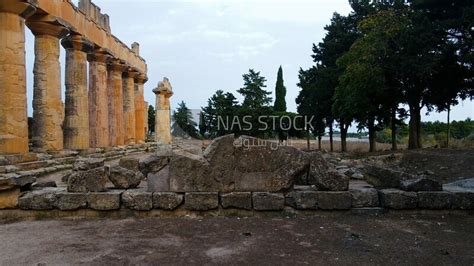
<point>280,93</point>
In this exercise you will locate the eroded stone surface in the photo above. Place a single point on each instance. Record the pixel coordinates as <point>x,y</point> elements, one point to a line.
<point>137,200</point>
<point>167,200</point>
<point>152,163</point>
<point>302,200</point>
<point>9,198</point>
<point>435,199</point>
<point>67,201</point>
<point>124,178</point>
<point>201,201</point>
<point>130,163</point>
<point>93,180</point>
<point>104,201</point>
<point>398,199</point>
<point>239,200</point>
<point>263,201</point>
<point>82,164</point>
<point>334,200</point>
<point>39,199</point>
<point>421,184</point>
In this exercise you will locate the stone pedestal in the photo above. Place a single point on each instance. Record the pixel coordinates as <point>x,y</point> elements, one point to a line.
<point>76,121</point>
<point>140,108</point>
<point>48,109</point>
<point>129,106</point>
<point>13,110</point>
<point>115,102</point>
<point>162,117</point>
<point>98,104</point>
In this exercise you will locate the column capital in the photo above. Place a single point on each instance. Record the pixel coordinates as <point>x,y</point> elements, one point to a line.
<point>131,72</point>
<point>164,88</point>
<point>99,55</point>
<point>141,78</point>
<point>115,64</point>
<point>19,7</point>
<point>46,25</point>
<point>77,42</point>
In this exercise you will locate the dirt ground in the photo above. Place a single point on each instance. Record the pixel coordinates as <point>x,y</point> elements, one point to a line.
<point>335,238</point>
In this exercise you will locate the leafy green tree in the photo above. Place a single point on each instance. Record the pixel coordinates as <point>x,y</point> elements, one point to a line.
<point>151,119</point>
<point>280,93</point>
<point>218,113</point>
<point>183,122</point>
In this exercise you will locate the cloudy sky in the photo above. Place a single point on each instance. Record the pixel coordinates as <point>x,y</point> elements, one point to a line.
<point>206,45</point>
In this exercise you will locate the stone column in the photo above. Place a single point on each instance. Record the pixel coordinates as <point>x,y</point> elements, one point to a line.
<point>146,120</point>
<point>140,108</point>
<point>162,117</point>
<point>98,104</point>
<point>76,120</point>
<point>13,110</point>
<point>48,109</point>
<point>115,100</point>
<point>129,106</point>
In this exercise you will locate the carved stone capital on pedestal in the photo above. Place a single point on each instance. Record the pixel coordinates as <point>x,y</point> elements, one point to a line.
<point>141,78</point>
<point>99,55</point>
<point>47,25</point>
<point>19,7</point>
<point>164,88</point>
<point>77,42</point>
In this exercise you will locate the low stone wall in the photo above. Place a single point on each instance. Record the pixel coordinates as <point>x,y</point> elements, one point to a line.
<point>141,200</point>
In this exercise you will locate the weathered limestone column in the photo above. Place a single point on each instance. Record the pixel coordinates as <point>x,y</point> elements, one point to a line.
<point>13,110</point>
<point>146,120</point>
<point>98,104</point>
<point>115,101</point>
<point>48,109</point>
<point>76,120</point>
<point>140,108</point>
<point>129,105</point>
<point>162,117</point>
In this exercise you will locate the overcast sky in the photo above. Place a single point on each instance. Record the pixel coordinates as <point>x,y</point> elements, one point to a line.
<point>206,45</point>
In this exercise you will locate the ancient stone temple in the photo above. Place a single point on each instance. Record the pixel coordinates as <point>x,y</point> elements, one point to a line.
<point>103,107</point>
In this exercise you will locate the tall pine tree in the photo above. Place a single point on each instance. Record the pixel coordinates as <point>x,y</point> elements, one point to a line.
<point>280,93</point>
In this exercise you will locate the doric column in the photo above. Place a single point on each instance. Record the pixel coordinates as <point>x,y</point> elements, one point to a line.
<point>13,110</point>
<point>76,120</point>
<point>140,108</point>
<point>48,109</point>
<point>115,101</point>
<point>162,117</point>
<point>129,105</point>
<point>146,119</point>
<point>98,104</point>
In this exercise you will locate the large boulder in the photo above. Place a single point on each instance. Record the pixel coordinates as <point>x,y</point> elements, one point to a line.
<point>152,163</point>
<point>129,163</point>
<point>323,176</point>
<point>93,180</point>
<point>382,177</point>
<point>124,178</point>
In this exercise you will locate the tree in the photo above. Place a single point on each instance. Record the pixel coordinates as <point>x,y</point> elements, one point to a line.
<point>218,114</point>
<point>256,103</point>
<point>151,119</point>
<point>183,122</point>
<point>280,93</point>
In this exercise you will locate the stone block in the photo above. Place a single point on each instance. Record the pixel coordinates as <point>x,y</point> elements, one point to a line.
<point>463,200</point>
<point>334,200</point>
<point>398,199</point>
<point>137,200</point>
<point>152,164</point>
<point>67,201</point>
<point>302,200</point>
<point>130,163</point>
<point>83,164</point>
<point>159,181</point>
<point>124,178</point>
<point>421,184</point>
<point>265,201</point>
<point>201,201</point>
<point>93,180</point>
<point>9,198</point>
<point>435,199</point>
<point>167,200</point>
<point>364,197</point>
<point>239,200</point>
<point>104,201</point>
<point>39,199</point>
<point>381,177</point>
